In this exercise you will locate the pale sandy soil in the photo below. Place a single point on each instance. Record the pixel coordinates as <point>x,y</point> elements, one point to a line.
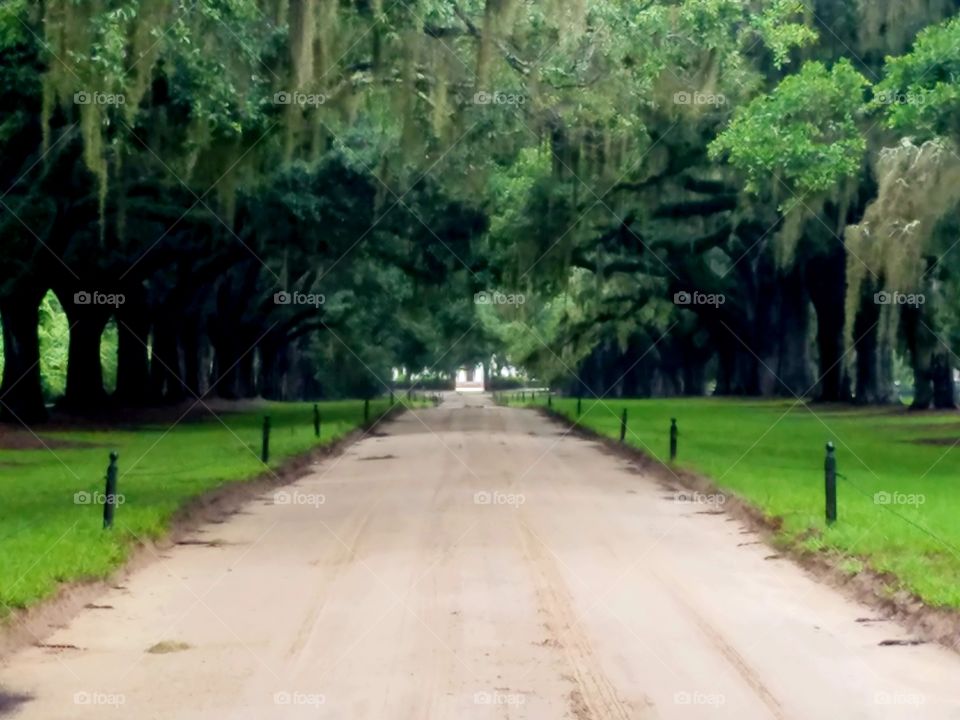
<point>472,562</point>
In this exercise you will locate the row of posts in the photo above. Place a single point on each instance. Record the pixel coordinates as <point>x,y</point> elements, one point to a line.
<point>623,419</point>
<point>110,495</point>
<point>829,464</point>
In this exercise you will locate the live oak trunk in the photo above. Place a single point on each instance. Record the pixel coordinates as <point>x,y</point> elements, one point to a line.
<point>826,283</point>
<point>874,358</point>
<point>165,375</point>
<point>21,392</point>
<point>133,363</point>
<point>85,391</point>
<point>791,329</point>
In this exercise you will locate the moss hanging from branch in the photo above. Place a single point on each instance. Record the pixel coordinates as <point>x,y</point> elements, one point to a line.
<point>325,48</point>
<point>889,26</point>
<point>485,48</point>
<point>303,25</point>
<point>918,185</point>
<point>441,110</point>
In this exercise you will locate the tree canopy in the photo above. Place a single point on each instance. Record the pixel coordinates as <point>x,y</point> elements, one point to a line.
<point>297,198</point>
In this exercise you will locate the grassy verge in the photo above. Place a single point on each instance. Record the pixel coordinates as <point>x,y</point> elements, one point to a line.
<point>899,501</point>
<point>50,530</point>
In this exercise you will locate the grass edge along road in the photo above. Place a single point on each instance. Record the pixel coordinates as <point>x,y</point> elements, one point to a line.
<point>898,491</point>
<point>52,493</point>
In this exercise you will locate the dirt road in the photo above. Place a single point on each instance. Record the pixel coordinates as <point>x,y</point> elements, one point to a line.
<point>471,562</point>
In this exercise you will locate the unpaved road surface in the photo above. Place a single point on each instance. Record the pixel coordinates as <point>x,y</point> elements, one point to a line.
<point>471,562</point>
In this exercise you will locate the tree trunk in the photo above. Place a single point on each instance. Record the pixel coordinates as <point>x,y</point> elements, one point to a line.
<point>920,344</point>
<point>874,358</point>
<point>737,368</point>
<point>793,363</point>
<point>247,375</point>
<point>944,395</point>
<point>224,362</point>
<point>827,287</point>
<point>133,364</point>
<point>191,348</point>
<point>85,391</point>
<point>21,393</point>
<point>273,363</point>
<point>165,364</point>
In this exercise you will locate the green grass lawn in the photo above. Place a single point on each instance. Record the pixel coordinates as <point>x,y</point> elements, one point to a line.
<point>48,537</point>
<point>771,454</point>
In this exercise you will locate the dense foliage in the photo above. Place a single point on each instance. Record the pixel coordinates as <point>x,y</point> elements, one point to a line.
<point>294,198</point>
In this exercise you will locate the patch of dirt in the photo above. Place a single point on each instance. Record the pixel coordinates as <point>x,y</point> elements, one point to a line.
<point>879,591</point>
<point>9,702</point>
<point>579,707</point>
<point>113,418</point>
<point>847,409</point>
<point>901,643</point>
<point>948,441</point>
<point>106,417</point>
<point>379,457</point>
<point>933,427</point>
<point>13,439</point>
<point>168,646</point>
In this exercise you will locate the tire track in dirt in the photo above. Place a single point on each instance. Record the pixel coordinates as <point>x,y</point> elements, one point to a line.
<point>345,552</point>
<point>594,697</point>
<point>749,675</point>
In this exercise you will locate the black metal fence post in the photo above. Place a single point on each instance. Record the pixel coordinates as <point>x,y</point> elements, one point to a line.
<point>830,482</point>
<point>265,446</point>
<point>366,411</point>
<point>316,420</point>
<point>623,425</point>
<point>110,495</point>
<point>579,405</point>
<point>673,439</point>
